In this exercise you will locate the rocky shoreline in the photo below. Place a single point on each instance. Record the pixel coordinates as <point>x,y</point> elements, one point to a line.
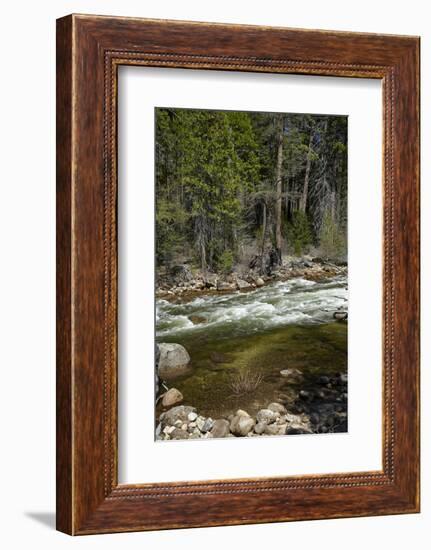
<point>181,281</point>
<point>309,409</point>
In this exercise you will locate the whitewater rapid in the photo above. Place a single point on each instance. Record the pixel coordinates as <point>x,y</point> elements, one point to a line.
<point>297,301</point>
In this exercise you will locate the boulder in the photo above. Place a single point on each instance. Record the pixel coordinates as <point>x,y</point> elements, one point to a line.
<point>172,397</point>
<point>180,412</point>
<point>267,416</point>
<point>260,282</point>
<point>277,408</point>
<point>220,428</point>
<point>181,274</point>
<point>340,315</point>
<point>173,361</point>
<point>210,280</point>
<point>241,425</point>
<point>241,284</point>
<point>240,412</point>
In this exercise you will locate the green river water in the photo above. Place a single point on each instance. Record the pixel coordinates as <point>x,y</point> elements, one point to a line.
<point>285,325</point>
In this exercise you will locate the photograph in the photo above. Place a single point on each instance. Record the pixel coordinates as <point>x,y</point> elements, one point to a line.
<point>251,274</point>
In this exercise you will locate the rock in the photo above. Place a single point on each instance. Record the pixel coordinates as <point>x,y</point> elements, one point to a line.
<point>324,380</point>
<point>210,280</point>
<point>168,430</point>
<point>340,315</point>
<point>208,424</point>
<point>260,282</point>
<point>241,284</point>
<point>296,429</point>
<point>192,416</point>
<point>271,430</point>
<point>174,360</point>
<point>259,428</point>
<point>181,274</point>
<point>178,433</point>
<point>217,357</point>
<point>156,382</point>
<point>306,395</point>
<point>344,378</point>
<point>200,421</point>
<point>277,408</point>
<point>221,285</point>
<point>241,425</point>
<point>197,319</point>
<point>220,428</point>
<point>240,412</point>
<point>267,416</point>
<point>158,429</point>
<point>180,412</point>
<point>294,375</point>
<point>172,397</point>
<point>314,418</point>
<point>294,418</point>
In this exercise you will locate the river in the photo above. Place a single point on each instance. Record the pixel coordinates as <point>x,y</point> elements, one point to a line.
<point>282,325</point>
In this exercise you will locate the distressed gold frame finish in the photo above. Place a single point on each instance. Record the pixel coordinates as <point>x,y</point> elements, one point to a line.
<point>90,50</point>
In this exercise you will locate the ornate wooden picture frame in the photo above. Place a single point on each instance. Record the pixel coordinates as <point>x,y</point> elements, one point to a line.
<point>89,51</point>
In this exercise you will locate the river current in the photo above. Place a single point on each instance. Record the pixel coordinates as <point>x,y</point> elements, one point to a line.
<point>296,301</point>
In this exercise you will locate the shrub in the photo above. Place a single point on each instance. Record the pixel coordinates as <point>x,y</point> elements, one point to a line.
<point>299,234</point>
<point>225,261</point>
<point>332,239</point>
<point>245,381</point>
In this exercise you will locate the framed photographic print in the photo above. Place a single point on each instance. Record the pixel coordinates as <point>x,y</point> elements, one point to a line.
<point>237,274</point>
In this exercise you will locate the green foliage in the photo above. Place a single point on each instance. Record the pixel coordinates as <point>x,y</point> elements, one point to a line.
<point>332,239</point>
<point>225,262</point>
<point>299,233</point>
<point>216,183</point>
<point>170,221</point>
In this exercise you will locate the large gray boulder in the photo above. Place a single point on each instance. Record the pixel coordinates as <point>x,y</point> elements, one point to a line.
<point>173,361</point>
<point>181,412</point>
<point>241,425</point>
<point>220,428</point>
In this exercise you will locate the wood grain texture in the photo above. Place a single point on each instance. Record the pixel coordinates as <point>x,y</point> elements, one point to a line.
<point>90,49</point>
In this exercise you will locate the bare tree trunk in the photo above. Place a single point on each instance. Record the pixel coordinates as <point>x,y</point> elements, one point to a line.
<point>201,240</point>
<point>278,180</point>
<point>333,207</point>
<point>262,246</point>
<point>304,196</point>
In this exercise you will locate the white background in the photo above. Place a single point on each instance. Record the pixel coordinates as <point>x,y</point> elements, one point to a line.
<point>141,458</point>
<point>27,125</point>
